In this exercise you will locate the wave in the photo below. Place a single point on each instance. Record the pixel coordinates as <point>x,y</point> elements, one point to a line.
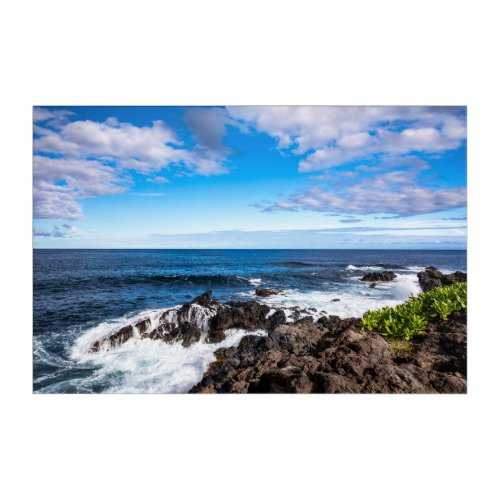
<point>195,279</point>
<point>375,267</point>
<point>296,264</point>
<point>196,314</point>
<point>153,366</point>
<point>354,300</point>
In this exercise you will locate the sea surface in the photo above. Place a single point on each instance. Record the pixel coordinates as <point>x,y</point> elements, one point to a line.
<point>82,295</point>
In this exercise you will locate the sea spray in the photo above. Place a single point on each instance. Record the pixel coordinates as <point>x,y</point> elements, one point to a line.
<point>153,366</point>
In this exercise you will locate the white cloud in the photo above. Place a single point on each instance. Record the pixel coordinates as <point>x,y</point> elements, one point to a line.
<point>139,148</point>
<point>395,192</point>
<point>159,179</point>
<point>53,117</point>
<point>59,182</point>
<point>64,231</point>
<point>82,159</point>
<point>333,135</point>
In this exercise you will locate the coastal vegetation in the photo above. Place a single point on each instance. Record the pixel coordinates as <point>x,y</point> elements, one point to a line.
<point>412,317</point>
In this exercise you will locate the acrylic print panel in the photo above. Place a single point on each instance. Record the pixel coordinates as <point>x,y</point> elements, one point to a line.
<point>240,249</point>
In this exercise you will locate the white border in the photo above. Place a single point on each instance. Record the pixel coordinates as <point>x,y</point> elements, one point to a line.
<point>265,52</point>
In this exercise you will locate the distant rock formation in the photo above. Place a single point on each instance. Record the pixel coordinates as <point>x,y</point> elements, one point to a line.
<point>266,292</point>
<point>383,276</point>
<point>432,277</point>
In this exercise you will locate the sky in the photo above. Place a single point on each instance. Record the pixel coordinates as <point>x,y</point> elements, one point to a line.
<point>250,177</point>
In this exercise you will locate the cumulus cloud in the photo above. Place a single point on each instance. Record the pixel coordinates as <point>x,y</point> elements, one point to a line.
<point>387,138</point>
<point>51,117</point>
<point>59,182</point>
<point>330,136</point>
<point>83,158</point>
<point>64,231</point>
<point>143,149</point>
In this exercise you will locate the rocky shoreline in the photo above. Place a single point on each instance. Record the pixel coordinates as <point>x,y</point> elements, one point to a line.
<point>302,355</point>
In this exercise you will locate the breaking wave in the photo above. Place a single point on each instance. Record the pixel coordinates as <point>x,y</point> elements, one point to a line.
<point>153,366</point>
<point>375,267</point>
<point>354,300</point>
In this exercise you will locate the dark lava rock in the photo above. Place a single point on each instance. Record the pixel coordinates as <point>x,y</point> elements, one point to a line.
<point>432,278</point>
<point>329,322</point>
<point>373,285</point>
<point>266,292</point>
<point>247,315</point>
<point>383,276</point>
<point>216,336</point>
<point>335,356</point>
<point>142,326</point>
<point>204,299</point>
<point>335,300</point>
<point>114,340</point>
<point>187,332</point>
<point>276,319</point>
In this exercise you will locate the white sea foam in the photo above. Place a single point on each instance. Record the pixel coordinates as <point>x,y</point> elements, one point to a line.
<point>355,299</point>
<point>151,366</point>
<point>197,314</point>
<point>350,267</point>
<point>255,281</point>
<point>145,365</point>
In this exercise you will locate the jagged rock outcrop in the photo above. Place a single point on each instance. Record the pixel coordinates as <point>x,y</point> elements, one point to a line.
<point>114,340</point>
<point>383,276</point>
<point>202,317</point>
<point>301,355</point>
<point>432,277</point>
<point>335,356</point>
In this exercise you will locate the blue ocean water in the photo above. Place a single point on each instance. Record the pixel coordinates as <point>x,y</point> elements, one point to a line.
<point>82,291</point>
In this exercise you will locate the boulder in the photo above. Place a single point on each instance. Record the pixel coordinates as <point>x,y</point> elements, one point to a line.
<point>432,278</point>
<point>276,319</point>
<point>383,276</point>
<point>266,292</point>
<point>248,315</point>
<point>205,299</point>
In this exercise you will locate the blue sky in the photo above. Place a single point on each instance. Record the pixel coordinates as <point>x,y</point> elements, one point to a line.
<point>249,177</point>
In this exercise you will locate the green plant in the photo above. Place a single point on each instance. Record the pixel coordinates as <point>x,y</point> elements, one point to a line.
<point>411,318</point>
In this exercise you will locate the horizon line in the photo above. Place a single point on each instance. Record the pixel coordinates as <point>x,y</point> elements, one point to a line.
<point>204,249</point>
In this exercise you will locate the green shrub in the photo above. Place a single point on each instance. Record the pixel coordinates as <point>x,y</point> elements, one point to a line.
<point>411,318</point>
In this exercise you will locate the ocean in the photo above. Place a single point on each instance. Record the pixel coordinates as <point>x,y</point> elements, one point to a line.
<point>82,295</point>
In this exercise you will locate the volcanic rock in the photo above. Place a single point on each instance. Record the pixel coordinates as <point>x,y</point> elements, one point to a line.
<point>205,299</point>
<point>383,276</point>
<point>432,278</point>
<point>335,356</point>
<point>276,319</point>
<point>187,332</point>
<point>114,340</point>
<point>266,292</point>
